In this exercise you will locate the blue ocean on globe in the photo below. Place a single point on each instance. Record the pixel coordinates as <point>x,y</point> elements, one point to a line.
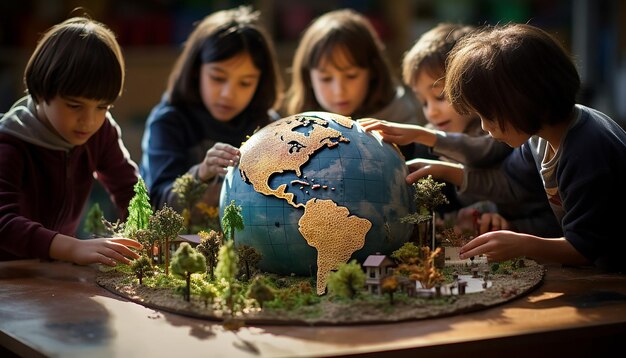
<point>363,174</point>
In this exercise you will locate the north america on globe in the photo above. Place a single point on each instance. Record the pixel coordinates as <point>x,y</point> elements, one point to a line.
<point>317,190</point>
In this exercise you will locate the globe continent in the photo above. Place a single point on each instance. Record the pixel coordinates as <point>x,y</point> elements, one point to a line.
<point>315,190</point>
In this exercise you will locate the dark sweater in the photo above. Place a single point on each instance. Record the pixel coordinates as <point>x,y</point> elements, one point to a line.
<point>45,183</point>
<point>584,183</point>
<point>175,142</point>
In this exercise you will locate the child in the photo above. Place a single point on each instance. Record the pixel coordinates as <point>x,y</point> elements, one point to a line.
<point>340,67</point>
<point>55,140</point>
<point>459,138</point>
<point>523,85</point>
<point>224,85</point>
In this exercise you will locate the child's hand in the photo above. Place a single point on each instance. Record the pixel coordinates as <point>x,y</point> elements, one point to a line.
<point>497,246</point>
<point>470,219</point>
<point>421,168</point>
<point>217,159</point>
<point>491,222</point>
<point>107,251</point>
<point>400,134</point>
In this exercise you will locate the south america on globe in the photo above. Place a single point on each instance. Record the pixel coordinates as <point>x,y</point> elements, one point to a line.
<point>316,190</point>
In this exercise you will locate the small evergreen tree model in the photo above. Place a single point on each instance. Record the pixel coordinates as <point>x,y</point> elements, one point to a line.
<point>94,223</point>
<point>142,267</point>
<point>165,224</point>
<point>209,246</point>
<point>260,291</point>
<point>232,220</point>
<point>186,261</point>
<point>347,281</point>
<point>190,191</point>
<point>139,209</point>
<point>428,196</point>
<point>250,257</point>
<point>226,273</point>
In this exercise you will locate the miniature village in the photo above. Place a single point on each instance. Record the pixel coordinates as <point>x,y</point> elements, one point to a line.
<point>191,264</point>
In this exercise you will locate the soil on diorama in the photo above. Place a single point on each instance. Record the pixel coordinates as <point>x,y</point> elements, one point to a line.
<point>367,309</point>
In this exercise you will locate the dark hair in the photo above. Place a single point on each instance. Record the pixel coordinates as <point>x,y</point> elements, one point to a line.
<point>430,51</point>
<point>220,36</point>
<point>352,32</point>
<point>78,57</point>
<point>516,73</point>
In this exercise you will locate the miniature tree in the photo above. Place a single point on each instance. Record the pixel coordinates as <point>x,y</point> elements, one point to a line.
<point>190,191</point>
<point>116,228</point>
<point>139,209</point>
<point>347,281</point>
<point>142,267</point>
<point>165,224</point>
<point>451,238</point>
<point>389,285</point>
<point>207,293</point>
<point>145,238</point>
<point>232,220</point>
<point>209,246</point>
<point>94,221</point>
<point>226,273</point>
<point>406,253</point>
<point>260,291</point>
<point>428,196</point>
<point>186,261</point>
<point>424,270</point>
<point>249,257</point>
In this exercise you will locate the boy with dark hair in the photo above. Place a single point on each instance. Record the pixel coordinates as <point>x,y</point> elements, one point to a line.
<point>56,140</point>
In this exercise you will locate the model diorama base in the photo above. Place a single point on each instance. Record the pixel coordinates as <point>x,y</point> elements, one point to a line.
<point>501,288</point>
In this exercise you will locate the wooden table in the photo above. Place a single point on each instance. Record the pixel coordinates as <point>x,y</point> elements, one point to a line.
<point>57,309</point>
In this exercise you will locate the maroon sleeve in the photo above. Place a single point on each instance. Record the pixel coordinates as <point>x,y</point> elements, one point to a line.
<point>115,169</point>
<point>20,237</point>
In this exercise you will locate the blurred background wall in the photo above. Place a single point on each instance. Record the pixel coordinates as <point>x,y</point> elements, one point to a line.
<point>151,33</point>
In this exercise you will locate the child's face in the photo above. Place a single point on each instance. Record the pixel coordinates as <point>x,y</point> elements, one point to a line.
<point>509,135</point>
<point>339,86</point>
<point>437,110</point>
<point>227,87</point>
<point>74,119</point>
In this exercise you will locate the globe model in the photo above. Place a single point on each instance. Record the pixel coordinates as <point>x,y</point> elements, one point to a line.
<point>316,190</point>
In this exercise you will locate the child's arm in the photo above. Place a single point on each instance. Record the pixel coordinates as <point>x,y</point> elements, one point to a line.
<point>476,151</point>
<point>507,245</point>
<point>494,184</point>
<point>400,134</point>
<point>116,171</point>
<point>107,251</point>
<point>446,171</point>
<point>470,219</point>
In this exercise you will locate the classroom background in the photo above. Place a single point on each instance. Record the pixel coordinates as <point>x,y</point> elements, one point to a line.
<point>151,33</point>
